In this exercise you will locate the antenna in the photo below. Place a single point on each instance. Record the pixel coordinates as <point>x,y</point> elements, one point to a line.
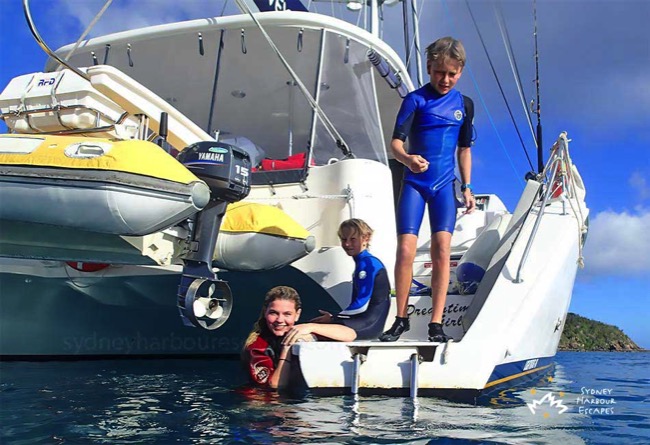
<point>537,110</point>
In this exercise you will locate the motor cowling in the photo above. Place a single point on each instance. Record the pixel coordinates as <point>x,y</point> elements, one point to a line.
<point>224,167</point>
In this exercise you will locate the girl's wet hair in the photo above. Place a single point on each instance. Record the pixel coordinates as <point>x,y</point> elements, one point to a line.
<point>276,293</point>
<point>447,48</point>
<point>359,226</point>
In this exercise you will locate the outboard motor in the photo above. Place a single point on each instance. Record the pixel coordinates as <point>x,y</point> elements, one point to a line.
<point>204,300</point>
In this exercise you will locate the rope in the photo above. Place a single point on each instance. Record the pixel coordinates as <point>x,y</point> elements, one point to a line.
<point>321,197</point>
<point>329,127</point>
<point>582,229</point>
<point>85,33</point>
<point>276,198</point>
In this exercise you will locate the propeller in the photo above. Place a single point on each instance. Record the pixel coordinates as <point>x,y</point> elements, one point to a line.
<point>208,303</point>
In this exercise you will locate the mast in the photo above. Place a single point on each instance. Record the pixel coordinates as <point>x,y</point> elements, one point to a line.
<point>407,40</point>
<point>416,40</point>
<point>537,111</point>
<point>374,18</point>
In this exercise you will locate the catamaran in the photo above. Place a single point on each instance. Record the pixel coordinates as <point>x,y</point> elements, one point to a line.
<point>203,162</point>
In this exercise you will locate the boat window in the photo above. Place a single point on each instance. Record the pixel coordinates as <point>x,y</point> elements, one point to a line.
<point>256,96</point>
<point>349,101</point>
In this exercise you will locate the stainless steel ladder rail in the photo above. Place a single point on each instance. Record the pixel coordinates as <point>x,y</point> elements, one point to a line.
<point>555,161</point>
<point>415,369</point>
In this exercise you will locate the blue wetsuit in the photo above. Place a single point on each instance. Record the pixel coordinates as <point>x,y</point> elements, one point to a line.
<point>367,311</point>
<point>435,125</point>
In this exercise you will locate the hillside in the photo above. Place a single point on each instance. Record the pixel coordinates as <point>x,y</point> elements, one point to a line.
<point>583,334</point>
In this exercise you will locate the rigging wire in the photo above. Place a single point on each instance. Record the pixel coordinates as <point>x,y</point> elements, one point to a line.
<point>224,8</point>
<point>485,107</point>
<point>413,48</point>
<point>496,77</point>
<point>85,33</point>
<point>329,126</point>
<point>416,41</point>
<point>505,37</point>
<point>407,45</point>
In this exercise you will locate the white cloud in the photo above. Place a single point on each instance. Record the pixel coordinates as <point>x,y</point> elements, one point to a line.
<point>618,244</point>
<point>130,14</point>
<point>638,182</point>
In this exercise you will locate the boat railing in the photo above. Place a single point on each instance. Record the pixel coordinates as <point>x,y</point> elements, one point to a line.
<point>554,175</point>
<point>57,110</point>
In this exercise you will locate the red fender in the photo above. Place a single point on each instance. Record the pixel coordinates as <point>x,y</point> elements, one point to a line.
<point>87,267</point>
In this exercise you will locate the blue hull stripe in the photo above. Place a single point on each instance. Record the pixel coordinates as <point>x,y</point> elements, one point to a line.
<point>514,370</point>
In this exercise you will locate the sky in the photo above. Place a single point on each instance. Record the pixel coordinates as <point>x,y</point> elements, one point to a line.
<point>594,68</point>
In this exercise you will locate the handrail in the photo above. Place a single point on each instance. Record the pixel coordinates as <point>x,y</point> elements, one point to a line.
<point>555,161</point>
<point>43,45</point>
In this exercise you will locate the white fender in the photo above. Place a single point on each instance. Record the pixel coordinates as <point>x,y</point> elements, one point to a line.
<point>473,264</point>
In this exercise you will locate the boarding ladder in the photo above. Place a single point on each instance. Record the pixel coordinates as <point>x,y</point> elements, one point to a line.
<point>425,353</point>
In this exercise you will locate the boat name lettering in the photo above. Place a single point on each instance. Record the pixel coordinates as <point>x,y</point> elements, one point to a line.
<point>530,364</point>
<point>46,82</point>
<point>452,315</point>
<point>214,157</point>
<point>449,309</point>
<point>217,150</point>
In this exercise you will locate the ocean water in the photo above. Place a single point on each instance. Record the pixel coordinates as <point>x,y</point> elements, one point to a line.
<point>598,398</point>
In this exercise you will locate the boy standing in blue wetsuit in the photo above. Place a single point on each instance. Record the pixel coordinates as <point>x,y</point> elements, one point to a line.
<point>370,302</point>
<point>437,119</point>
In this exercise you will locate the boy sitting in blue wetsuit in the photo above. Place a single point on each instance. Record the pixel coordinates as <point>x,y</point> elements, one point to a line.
<point>370,302</point>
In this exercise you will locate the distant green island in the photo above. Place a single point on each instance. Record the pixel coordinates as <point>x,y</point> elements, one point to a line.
<point>583,334</point>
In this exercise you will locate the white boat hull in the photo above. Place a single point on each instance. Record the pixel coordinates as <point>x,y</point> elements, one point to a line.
<point>511,334</point>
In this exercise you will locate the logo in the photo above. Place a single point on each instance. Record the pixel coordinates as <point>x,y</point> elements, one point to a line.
<point>211,157</point>
<point>458,115</point>
<point>46,82</point>
<point>217,150</point>
<point>278,5</point>
<point>362,274</point>
<point>549,399</point>
<point>592,401</point>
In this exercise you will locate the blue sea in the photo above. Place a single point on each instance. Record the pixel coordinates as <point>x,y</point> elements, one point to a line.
<point>597,398</point>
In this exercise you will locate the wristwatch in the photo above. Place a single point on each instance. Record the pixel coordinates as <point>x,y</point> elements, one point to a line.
<point>466,187</point>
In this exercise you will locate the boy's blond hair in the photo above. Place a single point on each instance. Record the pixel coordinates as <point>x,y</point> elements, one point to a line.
<point>358,225</point>
<point>447,48</point>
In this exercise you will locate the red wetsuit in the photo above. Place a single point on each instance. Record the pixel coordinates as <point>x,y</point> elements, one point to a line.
<point>260,360</point>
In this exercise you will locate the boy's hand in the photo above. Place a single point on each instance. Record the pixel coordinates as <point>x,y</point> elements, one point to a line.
<point>300,332</point>
<point>417,164</point>
<point>470,201</point>
<point>325,317</point>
